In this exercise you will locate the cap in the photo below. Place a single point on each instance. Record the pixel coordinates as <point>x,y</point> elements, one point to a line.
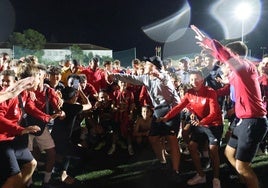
<point>155,60</point>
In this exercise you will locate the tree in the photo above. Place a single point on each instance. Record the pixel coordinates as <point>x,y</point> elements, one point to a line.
<point>76,53</point>
<point>29,42</point>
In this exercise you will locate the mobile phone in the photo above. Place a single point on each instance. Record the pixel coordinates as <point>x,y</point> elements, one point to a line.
<point>76,83</point>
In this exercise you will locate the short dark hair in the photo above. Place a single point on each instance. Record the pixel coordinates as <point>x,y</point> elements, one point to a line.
<point>8,72</point>
<point>107,62</point>
<point>54,70</point>
<point>68,93</point>
<point>95,59</point>
<point>76,63</point>
<point>41,67</point>
<point>238,47</point>
<point>82,78</point>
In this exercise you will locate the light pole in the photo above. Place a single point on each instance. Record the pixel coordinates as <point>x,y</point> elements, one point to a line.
<point>263,48</point>
<point>243,12</point>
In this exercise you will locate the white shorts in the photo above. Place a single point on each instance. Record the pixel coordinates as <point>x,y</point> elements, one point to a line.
<point>44,141</point>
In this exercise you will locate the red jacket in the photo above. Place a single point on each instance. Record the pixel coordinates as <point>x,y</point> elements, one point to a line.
<point>96,78</point>
<point>53,98</point>
<point>203,103</point>
<point>10,115</point>
<point>244,79</point>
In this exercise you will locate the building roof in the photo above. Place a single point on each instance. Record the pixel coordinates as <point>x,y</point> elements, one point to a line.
<point>67,45</point>
<point>64,46</point>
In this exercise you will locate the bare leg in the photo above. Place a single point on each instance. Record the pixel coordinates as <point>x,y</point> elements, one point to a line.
<point>14,182</point>
<point>230,155</point>
<point>50,161</point>
<point>193,148</point>
<point>174,152</point>
<point>157,148</point>
<point>214,155</point>
<point>27,171</point>
<point>249,176</point>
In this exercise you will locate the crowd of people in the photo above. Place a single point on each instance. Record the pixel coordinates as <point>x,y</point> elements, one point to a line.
<point>154,103</point>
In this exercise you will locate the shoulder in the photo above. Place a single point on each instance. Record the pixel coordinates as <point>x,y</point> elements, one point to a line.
<point>210,91</point>
<point>71,107</point>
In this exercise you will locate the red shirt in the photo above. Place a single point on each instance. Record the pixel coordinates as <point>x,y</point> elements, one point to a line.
<point>90,92</point>
<point>144,97</point>
<point>244,79</point>
<point>96,78</point>
<point>53,98</point>
<point>124,100</point>
<point>10,115</point>
<point>203,103</point>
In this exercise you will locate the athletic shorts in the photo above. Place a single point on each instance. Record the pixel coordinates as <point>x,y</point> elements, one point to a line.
<point>11,158</point>
<point>44,141</point>
<point>162,129</point>
<point>246,137</point>
<point>213,134</point>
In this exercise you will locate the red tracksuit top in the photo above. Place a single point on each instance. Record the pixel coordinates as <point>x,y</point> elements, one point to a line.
<point>10,115</point>
<point>244,78</point>
<point>203,104</point>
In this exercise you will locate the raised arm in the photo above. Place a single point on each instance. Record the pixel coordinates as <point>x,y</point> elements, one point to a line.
<point>16,89</point>
<point>217,50</point>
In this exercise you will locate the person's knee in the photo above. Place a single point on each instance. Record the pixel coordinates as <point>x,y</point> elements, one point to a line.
<point>192,146</point>
<point>240,169</point>
<point>30,165</point>
<point>228,153</point>
<point>214,150</point>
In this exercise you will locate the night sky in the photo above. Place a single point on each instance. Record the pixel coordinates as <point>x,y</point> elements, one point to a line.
<point>114,24</point>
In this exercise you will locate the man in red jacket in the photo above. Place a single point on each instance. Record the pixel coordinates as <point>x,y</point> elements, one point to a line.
<point>15,157</point>
<point>252,125</point>
<point>206,121</point>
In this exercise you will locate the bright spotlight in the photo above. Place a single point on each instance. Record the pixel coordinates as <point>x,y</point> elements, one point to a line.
<point>228,12</point>
<point>243,11</point>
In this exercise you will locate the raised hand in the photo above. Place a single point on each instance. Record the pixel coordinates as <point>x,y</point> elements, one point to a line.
<point>16,89</point>
<point>21,85</point>
<point>201,37</point>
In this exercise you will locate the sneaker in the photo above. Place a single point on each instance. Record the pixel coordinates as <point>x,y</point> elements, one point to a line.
<point>130,150</point>
<point>111,150</point>
<point>216,183</point>
<point>100,146</point>
<point>197,179</point>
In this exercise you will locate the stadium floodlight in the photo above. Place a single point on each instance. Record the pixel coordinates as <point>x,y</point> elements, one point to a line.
<point>243,12</point>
